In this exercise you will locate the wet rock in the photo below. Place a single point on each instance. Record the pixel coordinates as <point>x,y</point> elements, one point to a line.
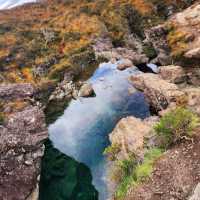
<point>124,64</point>
<point>21,148</point>
<point>172,73</point>
<point>86,90</point>
<point>16,91</point>
<point>196,193</point>
<point>158,92</point>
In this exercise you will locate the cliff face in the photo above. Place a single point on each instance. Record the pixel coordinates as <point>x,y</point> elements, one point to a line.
<point>22,133</point>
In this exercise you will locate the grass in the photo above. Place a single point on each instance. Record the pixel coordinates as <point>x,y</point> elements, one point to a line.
<point>133,173</point>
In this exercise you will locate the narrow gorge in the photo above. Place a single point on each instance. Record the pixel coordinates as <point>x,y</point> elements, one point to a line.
<point>99,100</point>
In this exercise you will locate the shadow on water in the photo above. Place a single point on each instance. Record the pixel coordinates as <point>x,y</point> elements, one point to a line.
<point>63,178</point>
<point>82,133</point>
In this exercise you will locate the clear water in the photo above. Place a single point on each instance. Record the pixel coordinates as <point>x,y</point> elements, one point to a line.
<point>82,132</point>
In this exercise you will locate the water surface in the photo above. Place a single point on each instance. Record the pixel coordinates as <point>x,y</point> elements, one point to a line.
<point>7,4</point>
<point>82,131</point>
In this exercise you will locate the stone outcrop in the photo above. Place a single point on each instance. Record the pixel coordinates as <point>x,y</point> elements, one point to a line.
<point>16,91</point>
<point>158,37</point>
<point>173,74</point>
<point>129,135</point>
<point>193,98</point>
<point>86,90</point>
<point>159,93</point>
<point>124,64</point>
<point>186,24</point>
<point>21,145</point>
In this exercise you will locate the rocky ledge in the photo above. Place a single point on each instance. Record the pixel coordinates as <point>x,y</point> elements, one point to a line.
<point>22,133</point>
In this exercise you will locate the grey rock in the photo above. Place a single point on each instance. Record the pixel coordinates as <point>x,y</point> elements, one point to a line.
<point>86,90</point>
<point>196,193</point>
<point>16,91</point>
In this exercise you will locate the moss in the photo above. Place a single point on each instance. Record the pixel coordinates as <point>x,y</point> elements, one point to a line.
<point>149,50</point>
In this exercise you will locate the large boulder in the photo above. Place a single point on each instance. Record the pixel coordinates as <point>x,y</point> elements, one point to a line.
<point>187,36</point>
<point>21,149</point>
<point>173,74</point>
<point>159,93</point>
<point>86,90</point>
<point>129,135</point>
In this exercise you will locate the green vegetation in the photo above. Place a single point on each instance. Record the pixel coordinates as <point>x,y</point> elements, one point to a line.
<point>149,50</point>
<point>111,151</point>
<point>176,124</point>
<point>129,172</point>
<point>2,118</point>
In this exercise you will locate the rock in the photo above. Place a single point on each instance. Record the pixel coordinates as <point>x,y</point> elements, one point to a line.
<point>157,91</point>
<point>21,148</point>
<point>129,135</point>
<point>124,64</point>
<point>193,75</point>
<point>158,37</point>
<point>123,53</point>
<point>187,24</point>
<point>193,97</point>
<point>172,73</point>
<point>134,56</point>
<point>86,90</point>
<point>193,53</point>
<point>196,193</point>
<point>66,90</point>
<point>16,91</point>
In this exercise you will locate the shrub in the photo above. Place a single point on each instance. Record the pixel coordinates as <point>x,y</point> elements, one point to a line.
<point>175,125</point>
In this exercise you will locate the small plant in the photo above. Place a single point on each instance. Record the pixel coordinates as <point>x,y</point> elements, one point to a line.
<point>111,151</point>
<point>175,125</point>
